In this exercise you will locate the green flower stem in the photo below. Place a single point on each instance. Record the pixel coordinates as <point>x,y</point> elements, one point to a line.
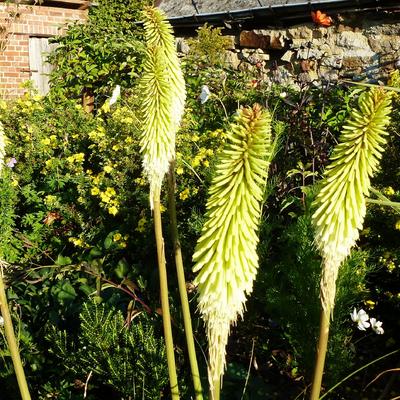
<point>321,354</point>
<point>182,284</point>
<point>166,316</point>
<point>12,343</point>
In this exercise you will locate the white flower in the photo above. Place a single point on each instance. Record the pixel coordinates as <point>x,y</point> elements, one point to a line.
<point>376,326</point>
<point>282,95</point>
<point>360,318</point>
<point>205,94</point>
<point>115,95</point>
<point>1,321</point>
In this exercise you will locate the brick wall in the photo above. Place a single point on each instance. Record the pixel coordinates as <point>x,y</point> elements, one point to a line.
<point>29,21</point>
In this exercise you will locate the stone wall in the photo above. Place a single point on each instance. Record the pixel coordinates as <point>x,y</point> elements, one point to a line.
<point>365,46</point>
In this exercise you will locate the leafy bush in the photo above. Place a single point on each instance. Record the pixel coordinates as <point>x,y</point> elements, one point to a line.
<point>104,52</point>
<point>123,354</point>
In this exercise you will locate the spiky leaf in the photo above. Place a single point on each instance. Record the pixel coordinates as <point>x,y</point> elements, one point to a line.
<point>226,257</point>
<point>340,205</point>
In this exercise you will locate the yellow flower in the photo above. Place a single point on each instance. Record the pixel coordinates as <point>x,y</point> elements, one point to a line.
<point>79,157</point>
<point>184,194</point>
<point>162,208</point>
<point>105,197</point>
<point>45,141</point>
<point>391,266</point>
<point>389,191</point>
<point>108,168</point>
<point>370,304</point>
<point>50,199</point>
<point>127,120</point>
<point>128,140</point>
<point>3,104</point>
<point>14,182</point>
<point>397,226</point>
<point>141,225</point>
<point>76,242</point>
<point>117,237</point>
<point>95,191</point>
<point>53,138</point>
<point>195,162</point>
<point>116,147</point>
<point>179,171</point>
<point>111,191</point>
<point>113,210</point>
<point>48,163</point>
<point>122,245</point>
<point>206,163</point>
<point>81,200</point>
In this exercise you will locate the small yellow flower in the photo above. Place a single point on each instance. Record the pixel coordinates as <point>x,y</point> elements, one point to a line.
<point>370,304</point>
<point>48,163</point>
<point>127,120</point>
<point>184,194</point>
<point>113,210</point>
<point>122,245</point>
<point>105,198</point>
<point>397,225</point>
<point>45,141</point>
<point>111,191</point>
<point>53,138</point>
<point>76,242</point>
<point>162,208</point>
<point>391,266</point>
<point>179,171</point>
<point>195,162</point>
<point>206,163</point>
<point>117,237</point>
<point>128,140</point>
<point>3,105</point>
<point>50,199</point>
<point>81,200</point>
<point>141,225</point>
<point>95,191</point>
<point>389,191</point>
<point>79,157</point>
<point>108,168</point>
<point>14,182</point>
<point>116,147</point>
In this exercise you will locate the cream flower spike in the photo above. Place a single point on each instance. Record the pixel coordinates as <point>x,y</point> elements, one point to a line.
<point>340,205</point>
<point>163,89</point>
<point>226,257</point>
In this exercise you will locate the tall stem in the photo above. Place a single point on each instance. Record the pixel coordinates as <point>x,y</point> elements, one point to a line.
<point>321,354</point>
<point>182,284</point>
<point>173,380</point>
<point>215,391</point>
<point>12,342</point>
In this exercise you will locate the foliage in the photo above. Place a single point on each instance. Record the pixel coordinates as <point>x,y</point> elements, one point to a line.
<point>123,354</point>
<point>105,51</point>
<point>209,47</point>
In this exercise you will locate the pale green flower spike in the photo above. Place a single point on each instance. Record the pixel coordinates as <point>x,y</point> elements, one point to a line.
<point>225,256</point>
<point>163,89</point>
<point>341,202</point>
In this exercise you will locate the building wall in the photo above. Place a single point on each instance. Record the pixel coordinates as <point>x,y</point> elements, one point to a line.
<point>361,46</point>
<point>22,23</point>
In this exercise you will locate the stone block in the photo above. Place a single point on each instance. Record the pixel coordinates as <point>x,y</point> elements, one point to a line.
<point>261,40</point>
<point>300,32</point>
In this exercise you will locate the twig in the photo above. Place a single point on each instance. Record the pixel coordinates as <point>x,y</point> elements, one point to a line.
<point>86,384</point>
<point>248,371</point>
<point>379,375</point>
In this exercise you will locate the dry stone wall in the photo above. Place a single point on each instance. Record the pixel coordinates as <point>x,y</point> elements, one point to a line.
<point>356,47</point>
